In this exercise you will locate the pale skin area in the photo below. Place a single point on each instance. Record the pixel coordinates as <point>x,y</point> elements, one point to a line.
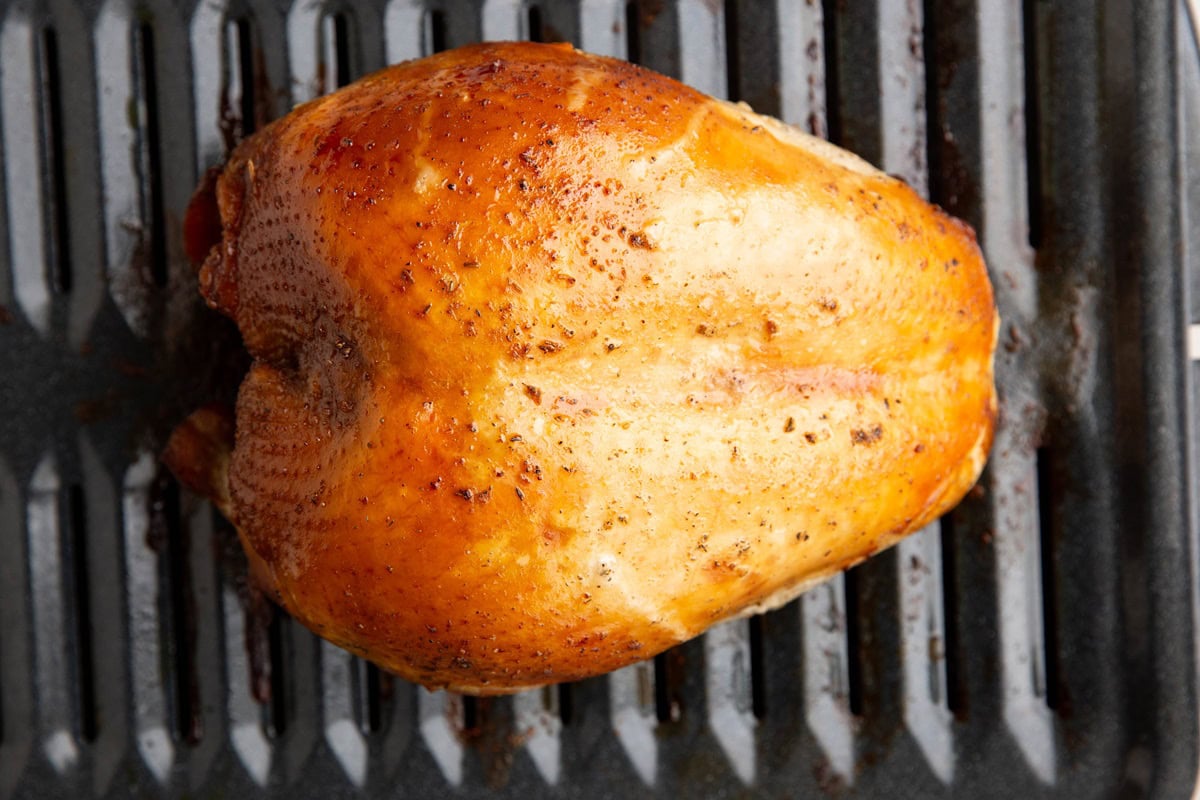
<point>559,363</point>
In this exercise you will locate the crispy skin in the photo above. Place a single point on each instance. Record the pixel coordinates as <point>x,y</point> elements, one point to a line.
<point>559,362</point>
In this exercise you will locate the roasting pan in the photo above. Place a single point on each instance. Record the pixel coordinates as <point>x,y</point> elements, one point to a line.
<point>1039,641</point>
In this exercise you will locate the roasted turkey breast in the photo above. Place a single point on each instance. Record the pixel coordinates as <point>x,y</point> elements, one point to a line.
<point>558,362</point>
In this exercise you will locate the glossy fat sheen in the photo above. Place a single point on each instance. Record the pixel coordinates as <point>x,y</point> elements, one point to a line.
<point>559,362</point>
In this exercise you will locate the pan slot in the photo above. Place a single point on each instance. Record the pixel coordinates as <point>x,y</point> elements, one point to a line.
<point>175,589</point>
<point>435,31</point>
<point>535,30</point>
<point>668,685</point>
<point>956,695</point>
<point>153,217</point>
<point>1033,120</point>
<point>758,678</point>
<point>240,98</point>
<point>472,715</point>
<point>1047,522</point>
<point>368,695</point>
<point>662,698</point>
<point>854,676</point>
<point>733,58</point>
<point>275,711</point>
<point>933,121</point>
<point>337,51</point>
<point>566,703</point>
<point>76,516</point>
<point>13,613</point>
<point>375,697</point>
<point>633,31</point>
<point>61,277</point>
<point>833,94</point>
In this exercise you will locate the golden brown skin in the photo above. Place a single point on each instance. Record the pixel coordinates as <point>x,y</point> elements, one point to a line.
<point>559,362</point>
